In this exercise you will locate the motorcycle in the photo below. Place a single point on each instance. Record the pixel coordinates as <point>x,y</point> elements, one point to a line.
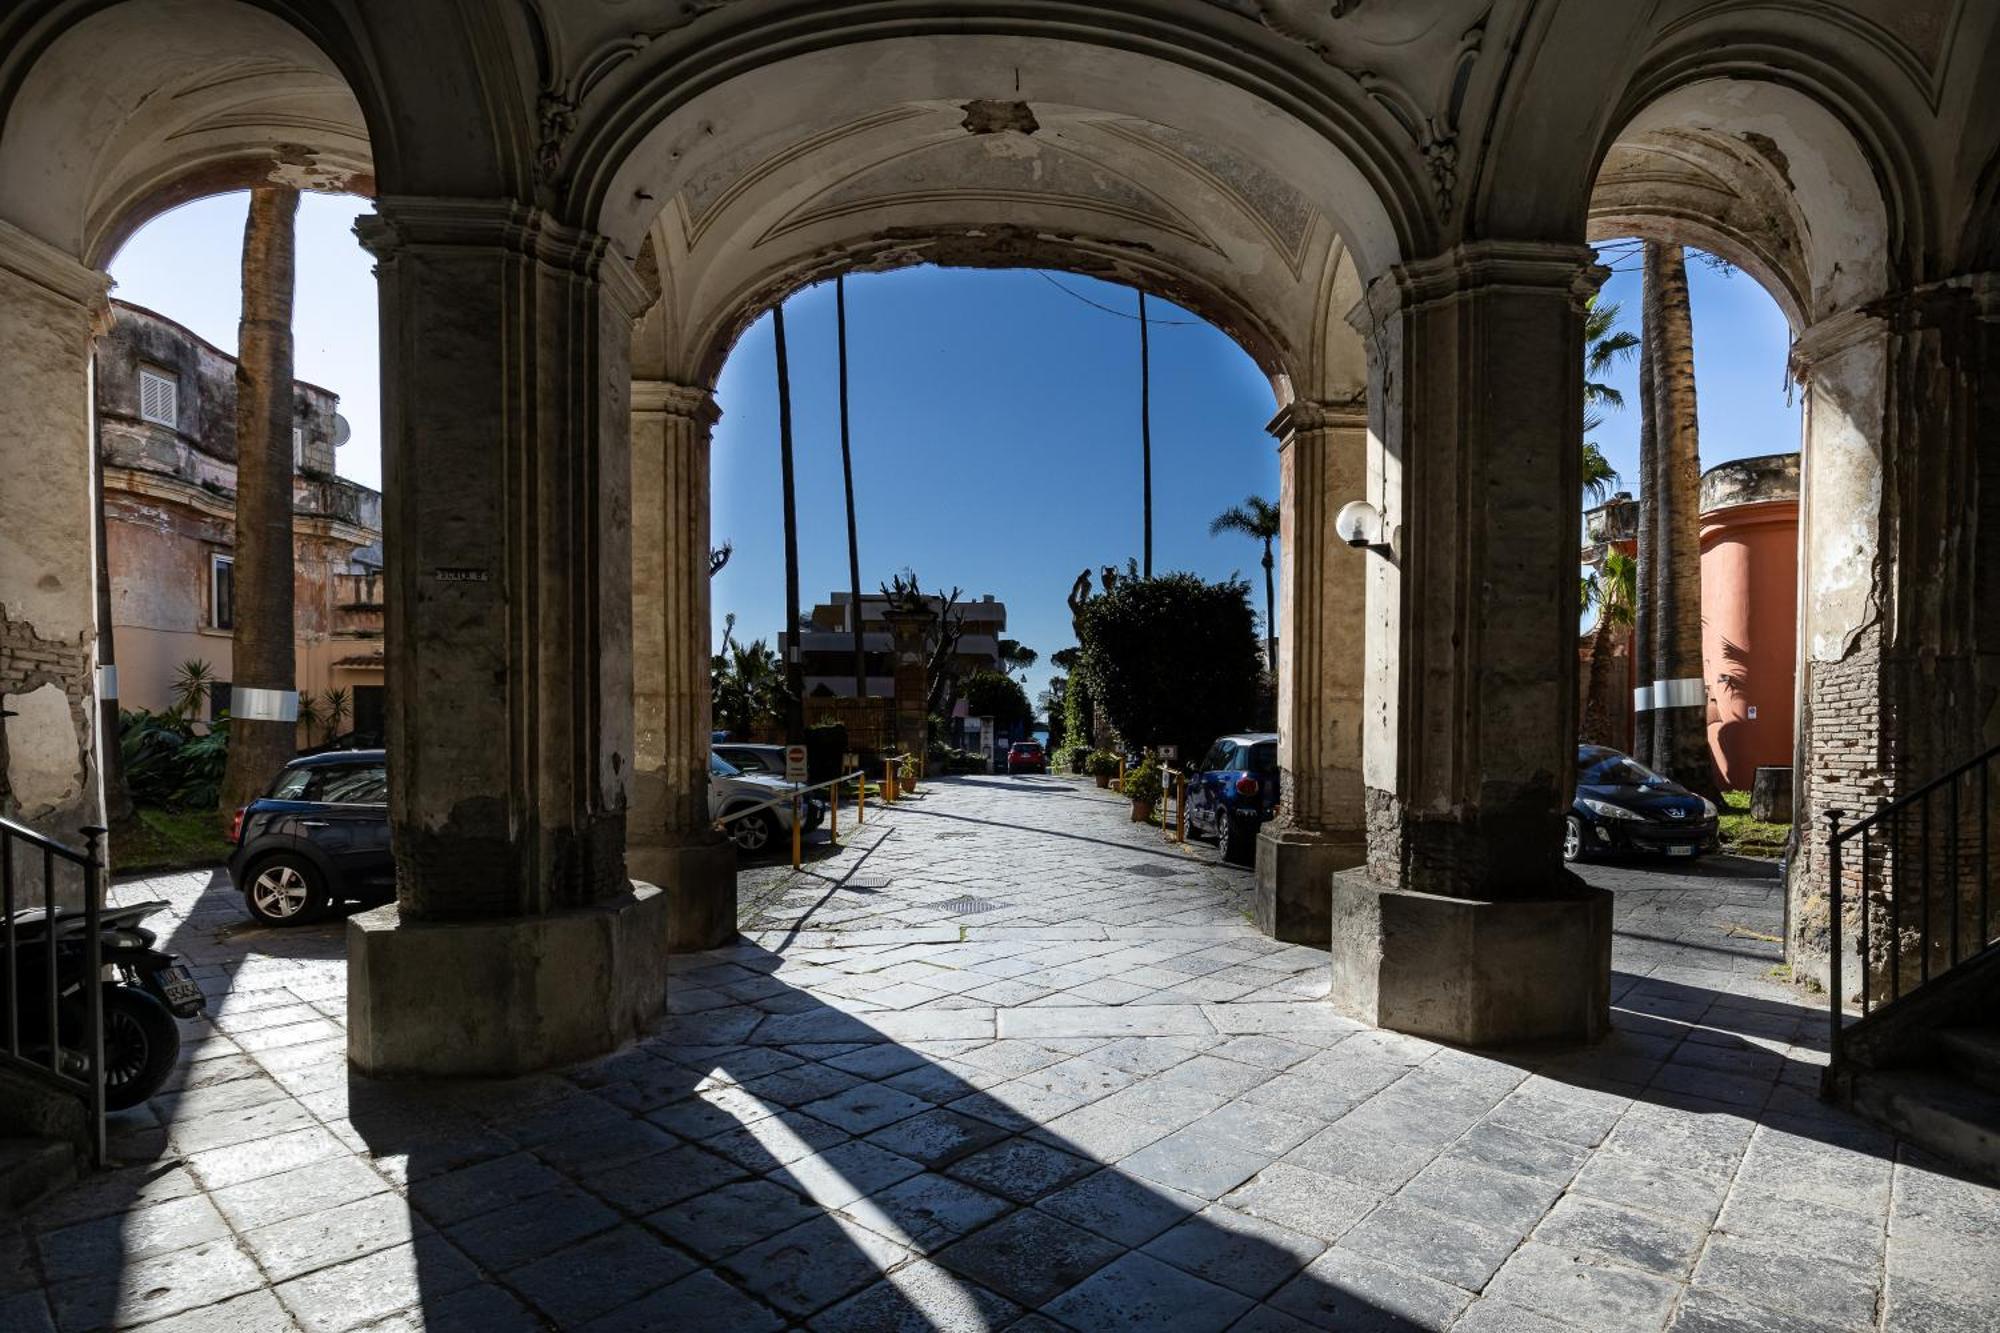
<point>144,990</point>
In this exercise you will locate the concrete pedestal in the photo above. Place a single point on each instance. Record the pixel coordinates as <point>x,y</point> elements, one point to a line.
<point>1294,867</point>
<point>700,883</point>
<point>503,997</point>
<point>1472,972</point>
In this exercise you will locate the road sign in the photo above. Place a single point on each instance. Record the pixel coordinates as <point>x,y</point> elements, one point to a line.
<point>1169,753</point>
<point>795,763</point>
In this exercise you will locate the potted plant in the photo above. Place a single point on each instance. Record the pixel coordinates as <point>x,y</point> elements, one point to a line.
<point>1103,766</point>
<point>1142,784</point>
<point>906,773</point>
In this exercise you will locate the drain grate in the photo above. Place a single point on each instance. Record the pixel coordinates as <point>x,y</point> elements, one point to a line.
<point>954,833</point>
<point>1152,871</point>
<point>967,905</point>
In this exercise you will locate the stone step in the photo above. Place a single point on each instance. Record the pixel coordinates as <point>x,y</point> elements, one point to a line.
<point>32,1168</point>
<point>1940,1113</point>
<point>1973,1053</point>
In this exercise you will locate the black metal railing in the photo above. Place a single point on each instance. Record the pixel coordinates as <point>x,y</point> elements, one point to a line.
<point>1925,855</point>
<point>43,1054</point>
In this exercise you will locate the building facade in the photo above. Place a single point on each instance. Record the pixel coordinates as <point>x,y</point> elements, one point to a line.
<point>166,413</point>
<point>827,647</point>
<point>1749,612</point>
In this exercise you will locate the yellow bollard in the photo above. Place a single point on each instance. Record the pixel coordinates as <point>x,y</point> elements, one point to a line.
<point>798,831</point>
<point>1120,784</point>
<point>1180,811</point>
<point>833,813</point>
<point>889,781</point>
<point>860,797</point>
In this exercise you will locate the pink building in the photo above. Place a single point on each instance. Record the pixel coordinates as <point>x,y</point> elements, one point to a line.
<point>1749,612</point>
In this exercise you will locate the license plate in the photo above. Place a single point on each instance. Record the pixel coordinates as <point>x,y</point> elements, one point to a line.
<point>1681,849</point>
<point>180,988</point>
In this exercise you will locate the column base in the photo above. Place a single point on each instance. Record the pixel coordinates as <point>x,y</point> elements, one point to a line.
<point>505,997</point>
<point>1469,971</point>
<point>700,883</point>
<point>1294,865</point>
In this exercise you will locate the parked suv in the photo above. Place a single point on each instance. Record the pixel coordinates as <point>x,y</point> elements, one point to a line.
<point>1235,790</point>
<point>1026,757</point>
<point>318,837</point>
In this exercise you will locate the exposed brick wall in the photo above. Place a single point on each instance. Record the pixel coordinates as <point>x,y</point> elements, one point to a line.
<point>27,662</point>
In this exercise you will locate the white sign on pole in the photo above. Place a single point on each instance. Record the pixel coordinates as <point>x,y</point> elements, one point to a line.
<point>795,763</point>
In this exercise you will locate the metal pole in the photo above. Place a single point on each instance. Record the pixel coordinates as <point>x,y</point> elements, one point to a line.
<point>889,781</point>
<point>798,832</point>
<point>93,891</point>
<point>860,797</point>
<point>1121,774</point>
<point>1833,919</point>
<point>833,813</point>
<point>1180,810</point>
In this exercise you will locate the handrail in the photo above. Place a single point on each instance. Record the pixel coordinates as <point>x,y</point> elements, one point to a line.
<point>790,794</point>
<point>1896,849</point>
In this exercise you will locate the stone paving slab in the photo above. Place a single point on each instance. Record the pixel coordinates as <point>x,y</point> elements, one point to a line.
<point>1107,1103</point>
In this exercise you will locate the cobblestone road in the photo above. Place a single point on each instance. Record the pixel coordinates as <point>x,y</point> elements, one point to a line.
<point>1009,1061</point>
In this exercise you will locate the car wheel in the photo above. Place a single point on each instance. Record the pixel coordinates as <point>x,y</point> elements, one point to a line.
<point>1232,842</point>
<point>753,833</point>
<point>284,890</point>
<point>1573,844</point>
<point>141,1043</point>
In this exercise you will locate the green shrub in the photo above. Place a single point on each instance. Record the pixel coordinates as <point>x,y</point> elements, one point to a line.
<point>1142,784</point>
<point>167,765</point>
<point>1102,764</point>
<point>1172,660</point>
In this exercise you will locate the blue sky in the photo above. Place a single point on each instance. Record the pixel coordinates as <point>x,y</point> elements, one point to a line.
<point>995,417</point>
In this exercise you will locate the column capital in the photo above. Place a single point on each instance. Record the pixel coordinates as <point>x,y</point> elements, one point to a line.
<point>668,399</point>
<point>1523,266</point>
<point>406,224</point>
<point>1304,416</point>
<point>31,259</point>
<point>1831,336</point>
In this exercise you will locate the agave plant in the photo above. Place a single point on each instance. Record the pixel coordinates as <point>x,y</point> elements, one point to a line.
<point>191,686</point>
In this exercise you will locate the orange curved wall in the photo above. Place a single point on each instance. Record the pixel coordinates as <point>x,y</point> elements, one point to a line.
<point>1749,634</point>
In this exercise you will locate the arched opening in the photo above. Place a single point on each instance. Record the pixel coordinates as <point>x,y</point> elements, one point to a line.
<point>121,114</point>
<point>1774,183</point>
<point>998,153</point>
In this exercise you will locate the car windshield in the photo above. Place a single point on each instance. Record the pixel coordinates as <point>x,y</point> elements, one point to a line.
<point>722,768</point>
<point>1617,770</point>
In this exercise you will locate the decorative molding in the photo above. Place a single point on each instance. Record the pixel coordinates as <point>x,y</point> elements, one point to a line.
<point>666,398</point>
<point>1516,265</point>
<point>34,260</point>
<point>1313,416</point>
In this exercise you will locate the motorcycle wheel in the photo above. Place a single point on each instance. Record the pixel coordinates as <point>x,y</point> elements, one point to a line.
<point>141,1044</point>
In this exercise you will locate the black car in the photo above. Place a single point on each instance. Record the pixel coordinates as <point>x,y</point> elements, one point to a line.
<point>318,837</point>
<point>1235,791</point>
<point>1623,806</point>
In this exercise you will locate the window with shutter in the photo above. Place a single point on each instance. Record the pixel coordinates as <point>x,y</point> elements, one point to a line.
<point>159,398</point>
<point>221,592</point>
<point>298,448</point>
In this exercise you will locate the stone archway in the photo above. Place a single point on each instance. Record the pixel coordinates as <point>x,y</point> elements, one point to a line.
<point>968,179</point>
<point>1775,182</point>
<point>211,95</point>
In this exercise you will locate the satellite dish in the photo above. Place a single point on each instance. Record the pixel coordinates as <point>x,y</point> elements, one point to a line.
<point>342,432</point>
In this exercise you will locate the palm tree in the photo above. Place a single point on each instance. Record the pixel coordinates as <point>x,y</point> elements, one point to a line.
<point>1680,732</point>
<point>795,717</point>
<point>1613,591</point>
<point>1146,425</point>
<point>1257,518</point>
<point>847,476</point>
<point>336,709</point>
<point>1644,640</point>
<point>263,649</point>
<point>309,714</point>
<point>1605,345</point>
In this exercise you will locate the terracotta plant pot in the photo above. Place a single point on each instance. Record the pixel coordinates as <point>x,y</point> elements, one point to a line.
<point>1103,779</point>
<point>1141,811</point>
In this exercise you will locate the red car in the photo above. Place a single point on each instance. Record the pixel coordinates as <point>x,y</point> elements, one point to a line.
<point>1026,757</point>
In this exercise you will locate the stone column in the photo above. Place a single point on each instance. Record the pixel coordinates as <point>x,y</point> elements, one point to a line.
<point>516,942</point>
<point>1899,653</point>
<point>49,306</point>
<point>1322,464</point>
<point>1464,924</point>
<point>669,840</point>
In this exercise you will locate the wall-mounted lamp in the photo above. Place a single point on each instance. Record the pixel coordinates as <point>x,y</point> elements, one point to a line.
<point>1361,525</point>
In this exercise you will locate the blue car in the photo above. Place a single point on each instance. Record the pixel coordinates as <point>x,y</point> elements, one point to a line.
<point>1235,790</point>
<point>317,838</point>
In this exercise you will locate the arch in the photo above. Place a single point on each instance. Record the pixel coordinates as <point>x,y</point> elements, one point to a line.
<point>1761,174</point>
<point>141,105</point>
